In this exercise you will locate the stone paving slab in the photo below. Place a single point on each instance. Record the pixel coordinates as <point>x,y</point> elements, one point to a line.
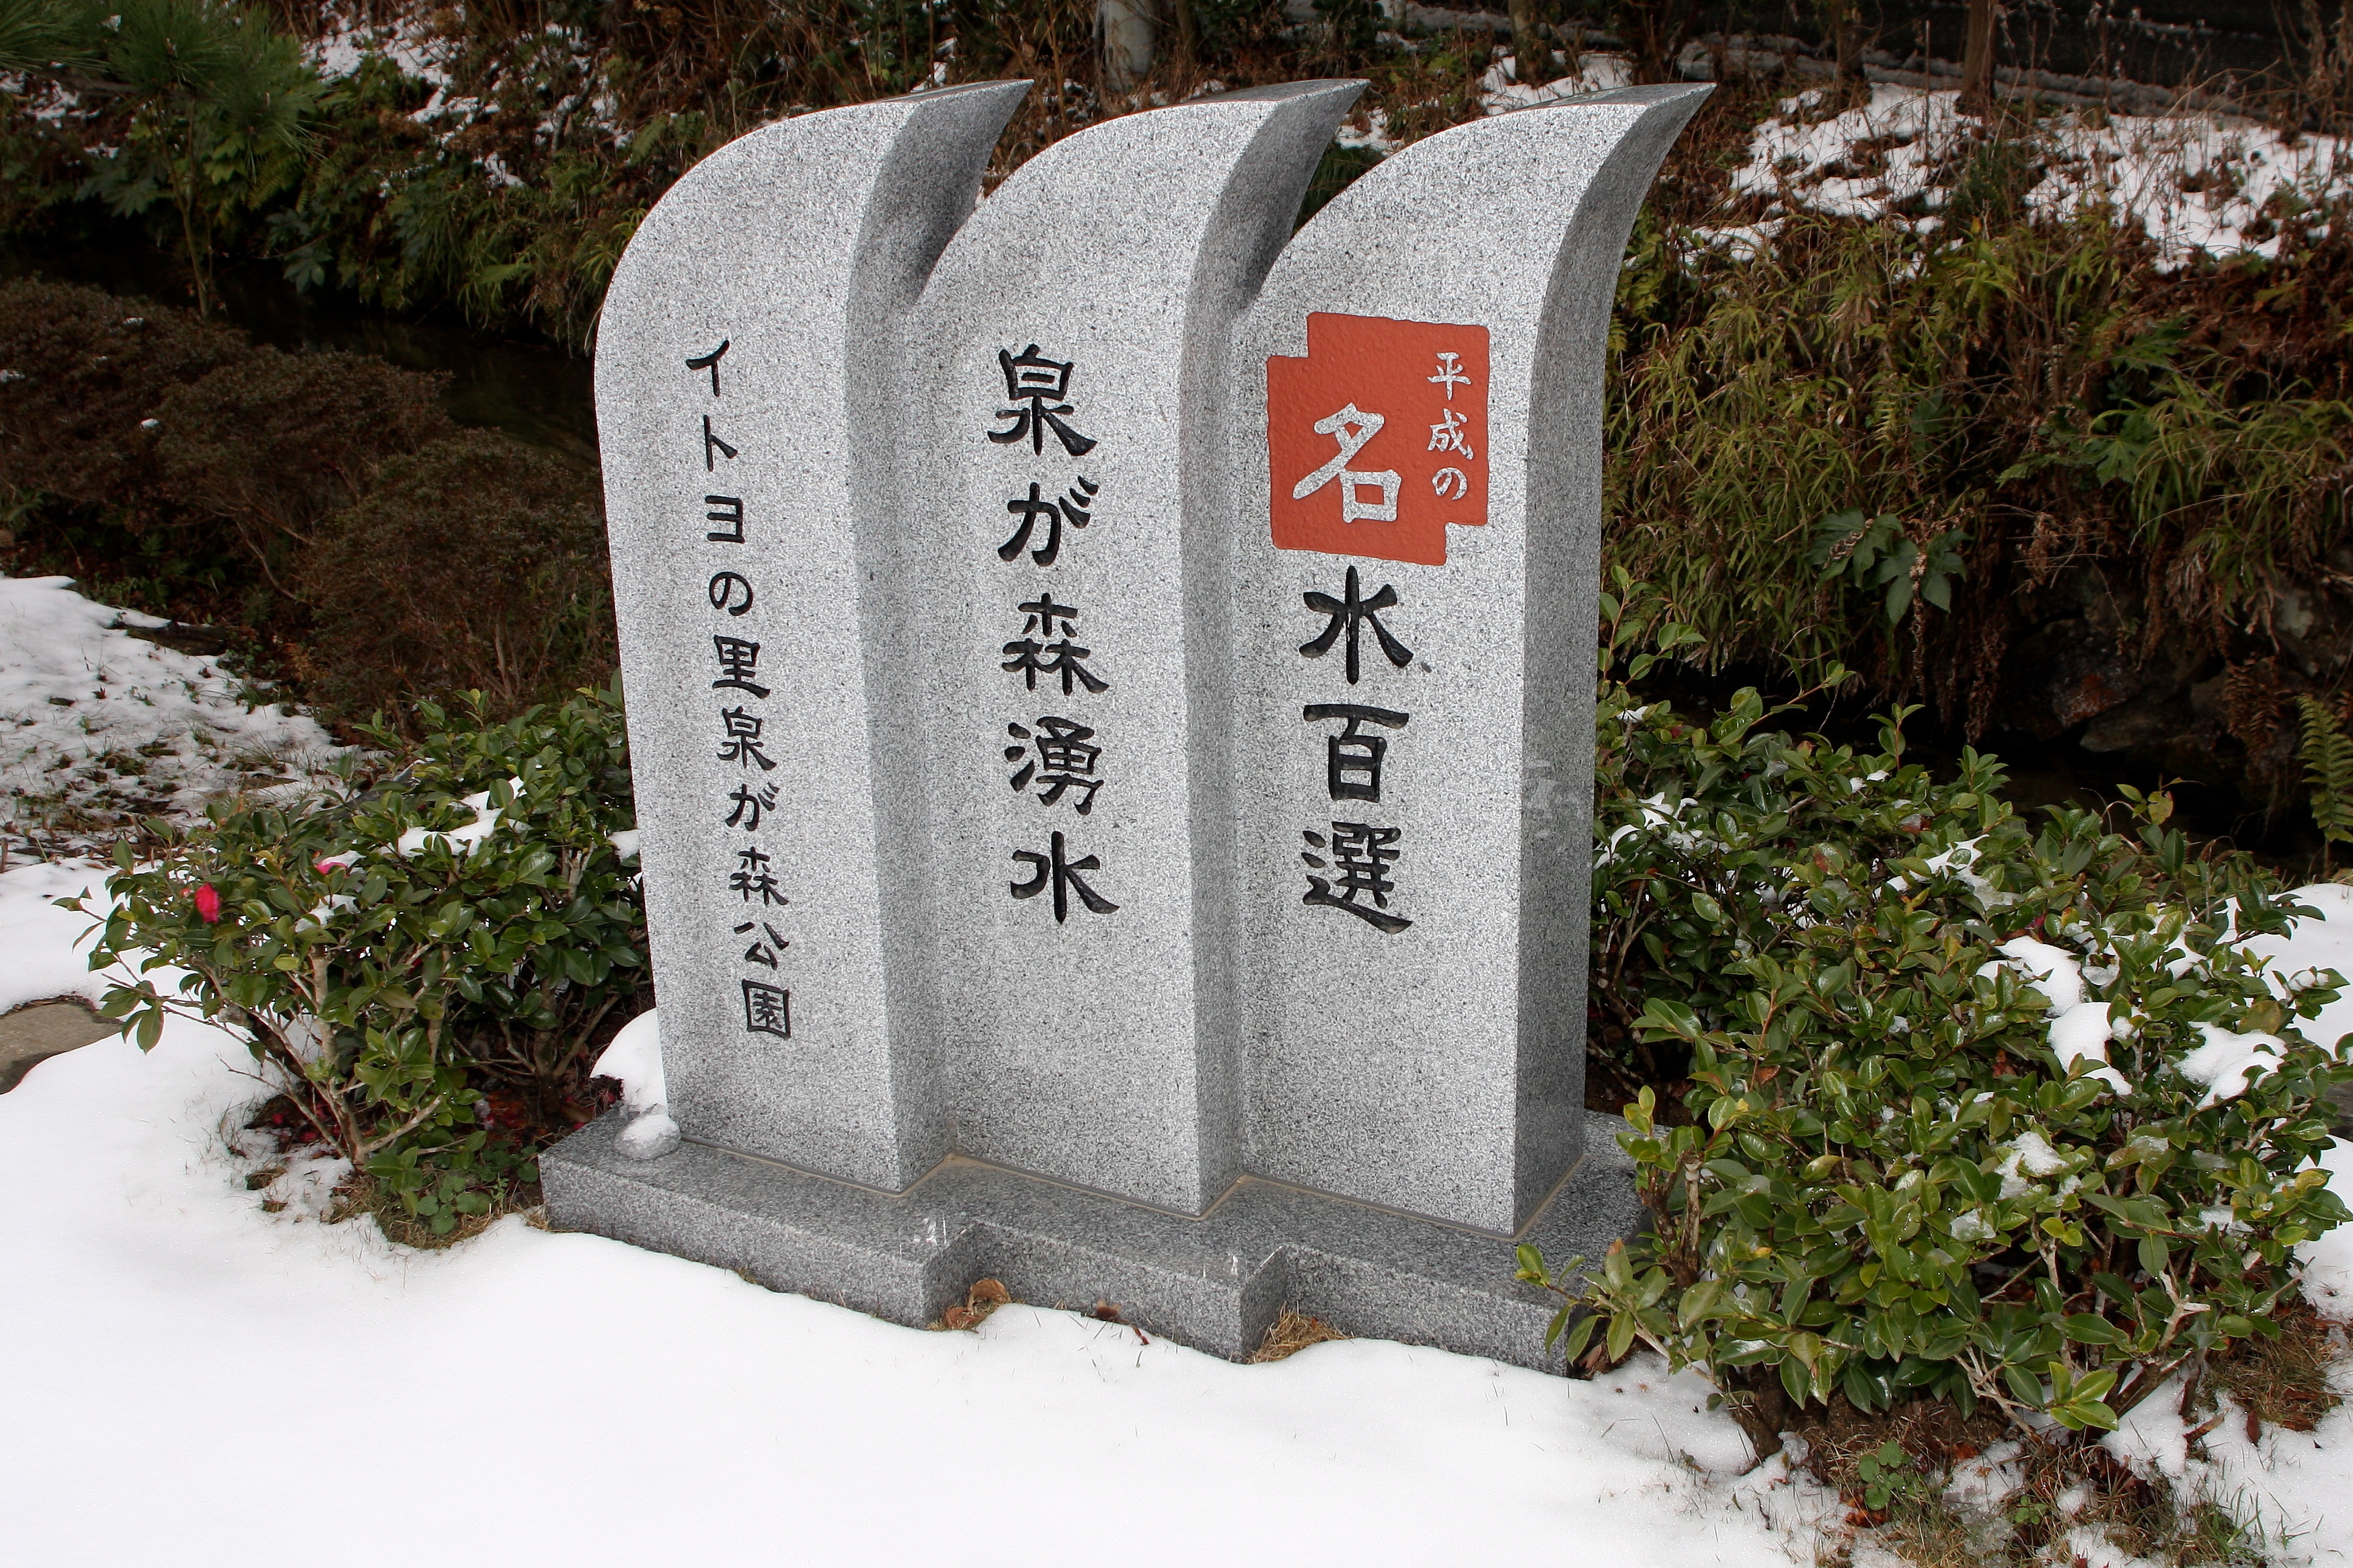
<point>40,1030</point>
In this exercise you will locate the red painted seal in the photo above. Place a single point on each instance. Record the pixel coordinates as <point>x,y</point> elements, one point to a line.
<point>1376,441</point>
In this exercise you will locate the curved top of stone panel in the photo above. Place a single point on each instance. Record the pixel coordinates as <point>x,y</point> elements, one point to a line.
<point>1471,223</point>
<point>794,207</point>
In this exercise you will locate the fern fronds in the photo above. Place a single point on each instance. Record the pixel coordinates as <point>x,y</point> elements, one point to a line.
<point>2328,758</point>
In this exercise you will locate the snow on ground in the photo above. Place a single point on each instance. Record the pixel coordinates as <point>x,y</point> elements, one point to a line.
<point>1374,134</point>
<point>98,726</point>
<point>38,957</point>
<point>418,51</point>
<point>1500,89</point>
<point>345,47</point>
<point>2198,183</point>
<point>564,1398</point>
<point>536,1398</point>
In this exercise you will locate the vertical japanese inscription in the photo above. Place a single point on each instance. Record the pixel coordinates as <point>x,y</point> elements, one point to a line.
<point>1356,855</point>
<point>1057,758</point>
<point>740,725</point>
<point>1349,474</point>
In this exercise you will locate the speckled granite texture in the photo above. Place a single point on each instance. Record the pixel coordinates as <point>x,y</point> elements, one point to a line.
<point>1436,1067</point>
<point>1081,831</point>
<point>750,507</point>
<point>1110,695</point>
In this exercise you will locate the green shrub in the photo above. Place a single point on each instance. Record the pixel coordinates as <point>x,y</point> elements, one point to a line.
<point>79,371</point>
<point>324,498</point>
<point>81,374</point>
<point>477,563</point>
<point>392,964</point>
<point>1965,1115</point>
<point>270,445</point>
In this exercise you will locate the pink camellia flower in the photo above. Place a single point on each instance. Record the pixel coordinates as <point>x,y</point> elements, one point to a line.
<point>208,905</point>
<point>336,862</point>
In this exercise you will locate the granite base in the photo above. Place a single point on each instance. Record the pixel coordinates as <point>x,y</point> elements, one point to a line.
<point>1215,1283</point>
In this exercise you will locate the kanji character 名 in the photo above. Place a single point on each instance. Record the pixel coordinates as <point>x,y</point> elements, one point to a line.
<point>753,877</point>
<point>1352,759</point>
<point>1057,755</point>
<point>1361,855</point>
<point>1446,435</point>
<point>1384,495</point>
<point>1029,657</point>
<point>1072,506</point>
<point>1056,870</point>
<point>768,1010</point>
<point>1032,381</point>
<point>742,743</point>
<point>1352,428</point>
<point>750,803</point>
<point>709,361</point>
<point>738,662</point>
<point>764,947</point>
<point>1348,616</point>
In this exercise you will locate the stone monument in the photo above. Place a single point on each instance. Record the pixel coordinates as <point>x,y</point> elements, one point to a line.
<point>1110,686</point>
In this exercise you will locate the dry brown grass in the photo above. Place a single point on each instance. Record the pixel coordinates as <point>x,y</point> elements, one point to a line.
<point>2284,1382</point>
<point>2065,1485</point>
<point>985,1297</point>
<point>1935,1434</point>
<point>1291,1332</point>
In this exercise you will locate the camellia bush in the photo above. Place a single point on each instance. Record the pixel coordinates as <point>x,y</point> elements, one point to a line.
<point>462,930</point>
<point>2009,1116</point>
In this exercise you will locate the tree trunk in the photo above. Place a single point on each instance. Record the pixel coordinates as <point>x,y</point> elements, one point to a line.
<point>1977,62</point>
<point>1129,31</point>
<point>1531,58</point>
<point>1653,31</point>
<point>199,250</point>
<point>1188,35</point>
<point>1845,19</point>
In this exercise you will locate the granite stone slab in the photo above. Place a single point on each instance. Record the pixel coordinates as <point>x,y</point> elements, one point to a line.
<point>746,368</point>
<point>1416,403</point>
<point>1215,1283</point>
<point>1110,696</point>
<point>1065,491</point>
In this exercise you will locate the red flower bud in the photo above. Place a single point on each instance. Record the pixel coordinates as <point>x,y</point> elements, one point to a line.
<point>208,905</point>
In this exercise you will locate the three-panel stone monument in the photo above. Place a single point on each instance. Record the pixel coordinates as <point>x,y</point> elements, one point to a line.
<point>1110,686</point>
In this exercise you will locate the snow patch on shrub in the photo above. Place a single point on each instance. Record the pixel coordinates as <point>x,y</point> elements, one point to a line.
<point>634,1058</point>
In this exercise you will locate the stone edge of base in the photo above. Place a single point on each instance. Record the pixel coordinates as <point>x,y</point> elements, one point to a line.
<point>1215,1283</point>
